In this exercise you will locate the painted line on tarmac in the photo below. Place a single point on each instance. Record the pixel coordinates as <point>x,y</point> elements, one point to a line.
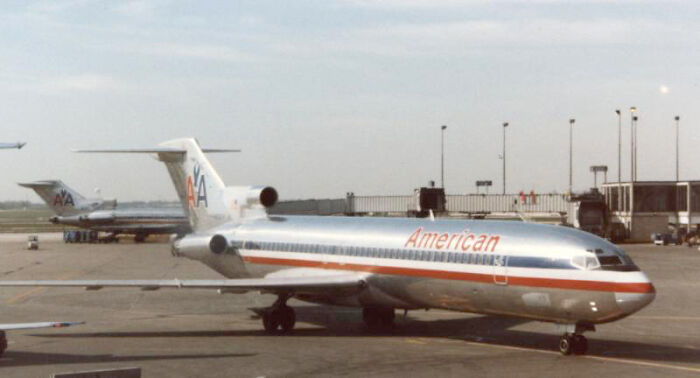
<point>24,295</point>
<point>690,318</point>
<point>643,363</point>
<point>599,358</point>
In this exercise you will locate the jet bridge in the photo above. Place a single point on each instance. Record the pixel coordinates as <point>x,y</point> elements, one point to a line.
<point>640,208</point>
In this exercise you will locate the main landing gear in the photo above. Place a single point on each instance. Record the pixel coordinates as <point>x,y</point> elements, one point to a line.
<point>3,342</point>
<point>378,318</point>
<point>573,340</point>
<point>279,318</point>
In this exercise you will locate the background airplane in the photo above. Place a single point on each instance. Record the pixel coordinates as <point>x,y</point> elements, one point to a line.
<point>539,272</point>
<point>73,209</point>
<point>17,145</point>
<point>15,326</point>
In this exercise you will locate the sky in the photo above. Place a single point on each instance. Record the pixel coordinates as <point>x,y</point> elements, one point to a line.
<point>335,96</point>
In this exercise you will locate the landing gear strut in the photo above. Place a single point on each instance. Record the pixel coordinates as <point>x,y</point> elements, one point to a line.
<point>377,318</point>
<point>279,318</point>
<point>573,340</point>
<point>3,342</point>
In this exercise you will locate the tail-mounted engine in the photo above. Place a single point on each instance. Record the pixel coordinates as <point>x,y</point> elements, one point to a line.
<point>198,246</point>
<point>249,201</point>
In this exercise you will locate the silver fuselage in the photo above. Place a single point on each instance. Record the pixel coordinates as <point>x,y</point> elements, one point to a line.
<point>128,221</point>
<point>542,272</point>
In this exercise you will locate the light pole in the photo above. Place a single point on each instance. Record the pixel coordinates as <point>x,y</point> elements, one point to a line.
<point>571,155</point>
<point>619,159</point>
<point>442,155</point>
<point>505,124</point>
<point>678,119</point>
<point>636,144</point>
<point>619,145</point>
<point>632,110</point>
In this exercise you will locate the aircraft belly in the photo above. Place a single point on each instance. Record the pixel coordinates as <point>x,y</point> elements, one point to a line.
<point>548,304</point>
<point>260,270</point>
<point>540,303</point>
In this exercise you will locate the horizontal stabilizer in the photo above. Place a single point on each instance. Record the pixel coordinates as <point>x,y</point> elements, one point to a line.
<point>39,184</point>
<point>11,326</point>
<point>153,150</point>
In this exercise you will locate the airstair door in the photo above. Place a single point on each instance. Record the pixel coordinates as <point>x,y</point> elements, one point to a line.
<point>500,270</point>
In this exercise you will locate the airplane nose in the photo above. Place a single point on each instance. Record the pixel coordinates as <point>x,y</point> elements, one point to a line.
<point>631,302</point>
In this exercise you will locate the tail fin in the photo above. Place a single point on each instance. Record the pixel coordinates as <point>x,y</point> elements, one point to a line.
<point>62,199</point>
<point>198,185</point>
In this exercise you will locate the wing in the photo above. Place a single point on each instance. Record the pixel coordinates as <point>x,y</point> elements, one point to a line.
<point>10,326</point>
<point>296,285</point>
<point>155,150</point>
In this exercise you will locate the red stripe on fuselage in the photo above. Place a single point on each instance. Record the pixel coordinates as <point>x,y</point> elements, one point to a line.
<point>618,287</point>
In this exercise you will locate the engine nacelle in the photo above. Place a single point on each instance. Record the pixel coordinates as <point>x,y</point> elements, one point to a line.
<point>196,246</point>
<point>265,196</point>
<point>192,246</point>
<point>97,217</point>
<point>249,201</point>
<point>218,244</point>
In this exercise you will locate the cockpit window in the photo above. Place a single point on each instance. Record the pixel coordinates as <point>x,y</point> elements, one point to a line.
<point>585,262</point>
<point>607,258</point>
<point>597,251</point>
<point>610,260</point>
<point>614,258</point>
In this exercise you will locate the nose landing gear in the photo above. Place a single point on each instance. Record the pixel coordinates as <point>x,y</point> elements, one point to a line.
<point>573,340</point>
<point>576,344</point>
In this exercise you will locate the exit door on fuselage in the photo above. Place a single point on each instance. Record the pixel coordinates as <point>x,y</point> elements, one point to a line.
<point>500,269</point>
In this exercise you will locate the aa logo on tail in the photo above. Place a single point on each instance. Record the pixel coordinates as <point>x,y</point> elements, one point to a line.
<point>196,181</point>
<point>63,199</point>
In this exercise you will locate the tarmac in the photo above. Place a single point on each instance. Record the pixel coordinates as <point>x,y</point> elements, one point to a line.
<point>199,333</point>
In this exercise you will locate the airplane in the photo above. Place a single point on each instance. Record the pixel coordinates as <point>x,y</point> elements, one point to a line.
<point>14,326</point>
<point>73,209</point>
<point>18,145</point>
<point>533,271</point>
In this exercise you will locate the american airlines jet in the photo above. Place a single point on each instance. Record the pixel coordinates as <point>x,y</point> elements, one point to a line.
<point>540,272</point>
<point>73,209</point>
<point>5,146</point>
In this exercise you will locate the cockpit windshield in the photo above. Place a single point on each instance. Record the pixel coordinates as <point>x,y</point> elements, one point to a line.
<point>609,258</point>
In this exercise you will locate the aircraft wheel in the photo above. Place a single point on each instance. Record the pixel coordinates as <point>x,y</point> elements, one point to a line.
<point>271,321</point>
<point>371,318</point>
<point>3,342</point>
<point>580,344</point>
<point>287,319</point>
<point>566,345</point>
<point>386,317</point>
<point>378,318</point>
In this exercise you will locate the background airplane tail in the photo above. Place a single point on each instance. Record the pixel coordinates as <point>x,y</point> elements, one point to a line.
<point>204,197</point>
<point>58,196</point>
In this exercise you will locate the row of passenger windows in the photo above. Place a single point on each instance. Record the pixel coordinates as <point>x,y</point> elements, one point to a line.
<point>384,253</point>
